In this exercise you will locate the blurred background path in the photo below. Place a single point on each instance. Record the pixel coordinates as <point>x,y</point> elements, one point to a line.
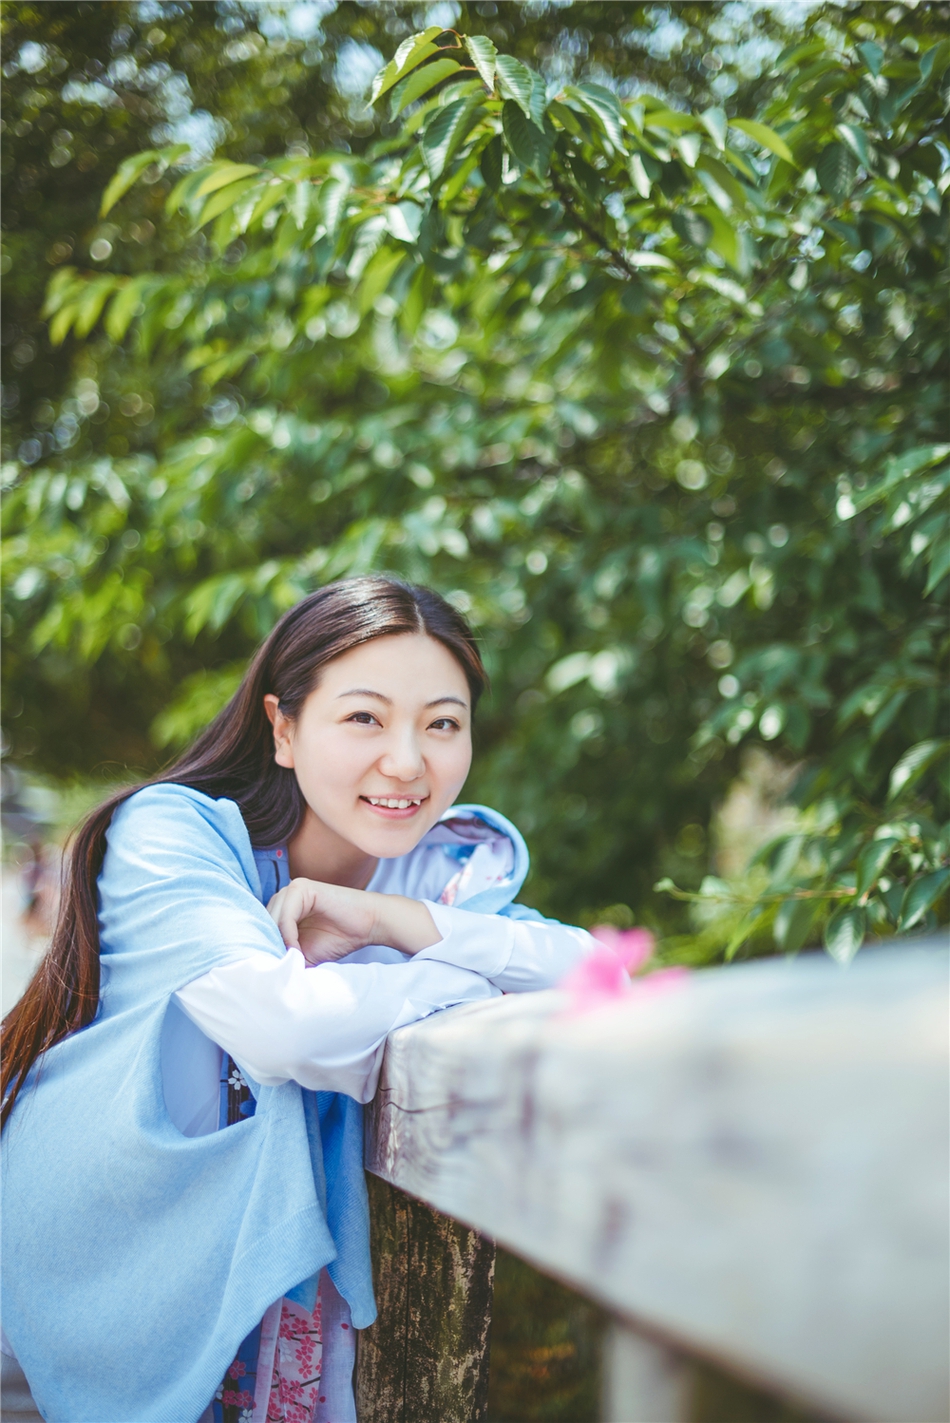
<point>20,949</point>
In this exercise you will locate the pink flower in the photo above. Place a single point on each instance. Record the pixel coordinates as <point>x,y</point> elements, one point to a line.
<point>237,1369</point>
<point>633,947</point>
<point>605,975</point>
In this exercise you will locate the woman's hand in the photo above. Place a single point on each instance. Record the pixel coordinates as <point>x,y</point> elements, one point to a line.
<point>328,921</point>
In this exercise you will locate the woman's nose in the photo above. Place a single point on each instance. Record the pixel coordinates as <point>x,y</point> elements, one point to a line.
<point>403,760</point>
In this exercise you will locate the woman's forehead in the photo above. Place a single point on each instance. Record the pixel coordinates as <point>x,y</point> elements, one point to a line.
<point>409,666</point>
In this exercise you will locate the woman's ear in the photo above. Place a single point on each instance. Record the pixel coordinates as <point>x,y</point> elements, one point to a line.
<point>283,725</point>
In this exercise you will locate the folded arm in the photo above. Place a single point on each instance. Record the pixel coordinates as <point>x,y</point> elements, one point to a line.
<point>324,1025</point>
<point>516,950</point>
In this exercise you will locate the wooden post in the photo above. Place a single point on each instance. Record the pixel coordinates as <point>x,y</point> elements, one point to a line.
<point>425,1360</point>
<point>644,1381</point>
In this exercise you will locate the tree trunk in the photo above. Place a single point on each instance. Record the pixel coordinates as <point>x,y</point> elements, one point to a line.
<point>425,1360</point>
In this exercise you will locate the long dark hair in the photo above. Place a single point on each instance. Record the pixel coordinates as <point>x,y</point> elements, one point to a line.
<point>233,757</point>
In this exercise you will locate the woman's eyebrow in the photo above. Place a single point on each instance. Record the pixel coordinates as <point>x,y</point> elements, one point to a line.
<point>365,692</point>
<point>381,697</point>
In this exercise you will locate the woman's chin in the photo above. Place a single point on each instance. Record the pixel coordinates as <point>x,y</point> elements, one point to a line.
<point>386,832</point>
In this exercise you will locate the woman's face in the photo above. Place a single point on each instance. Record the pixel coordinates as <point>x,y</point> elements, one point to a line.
<point>383,744</point>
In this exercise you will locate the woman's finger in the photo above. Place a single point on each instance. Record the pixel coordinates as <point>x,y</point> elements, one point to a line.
<point>286,908</point>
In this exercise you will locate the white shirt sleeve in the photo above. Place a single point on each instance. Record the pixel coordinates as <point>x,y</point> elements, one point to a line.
<point>324,1025</point>
<point>517,955</point>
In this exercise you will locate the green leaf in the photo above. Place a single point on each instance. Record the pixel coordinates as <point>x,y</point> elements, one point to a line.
<point>410,53</point>
<point>225,198</point>
<point>767,137</point>
<point>123,306</point>
<point>419,83</point>
<point>222,175</point>
<point>567,119</point>
<point>491,164</point>
<point>333,196</point>
<point>911,461</point>
<point>604,105</point>
<point>857,141</point>
<point>873,56</point>
<point>587,178</point>
<point>939,563</point>
<point>377,275</point>
<point>274,192</point>
<point>133,168</point>
<point>921,894</point>
<point>935,59</point>
<point>530,145</point>
<point>725,241</point>
<point>793,924</point>
<point>797,54</point>
<point>445,131</point>
<point>61,323</point>
<point>871,863</point>
<point>844,934</point>
<point>715,121</point>
<point>639,175</point>
<point>460,176</point>
<point>749,926</point>
<point>516,81</point>
<point>837,168</point>
<point>900,467</point>
<point>649,259</point>
<point>299,205</point>
<point>669,121</point>
<point>92,301</point>
<point>734,191</point>
<point>914,763</point>
<point>484,57</point>
<point>692,227</point>
<point>60,288</point>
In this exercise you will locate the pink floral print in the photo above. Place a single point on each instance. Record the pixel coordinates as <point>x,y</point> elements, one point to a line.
<point>298,1365</point>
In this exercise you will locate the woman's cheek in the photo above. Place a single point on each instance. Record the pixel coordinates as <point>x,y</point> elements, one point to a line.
<point>454,770</point>
<point>335,764</point>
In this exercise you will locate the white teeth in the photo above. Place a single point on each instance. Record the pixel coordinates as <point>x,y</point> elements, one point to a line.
<point>391,804</point>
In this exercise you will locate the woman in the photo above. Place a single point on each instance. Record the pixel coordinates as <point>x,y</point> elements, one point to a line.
<point>186,1227</point>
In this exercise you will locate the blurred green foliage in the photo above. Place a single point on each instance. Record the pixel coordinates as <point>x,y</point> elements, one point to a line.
<point>545,1349</point>
<point>622,325</point>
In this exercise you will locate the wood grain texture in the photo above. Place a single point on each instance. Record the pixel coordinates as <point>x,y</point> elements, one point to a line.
<point>425,1360</point>
<point>753,1166</point>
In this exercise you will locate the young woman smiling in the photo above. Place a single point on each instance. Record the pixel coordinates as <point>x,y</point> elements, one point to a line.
<point>186,1229</point>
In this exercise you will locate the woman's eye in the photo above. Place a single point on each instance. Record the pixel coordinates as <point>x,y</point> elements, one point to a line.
<point>445,723</point>
<point>363,719</point>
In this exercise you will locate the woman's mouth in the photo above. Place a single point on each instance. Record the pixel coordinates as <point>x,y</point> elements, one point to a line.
<point>394,807</point>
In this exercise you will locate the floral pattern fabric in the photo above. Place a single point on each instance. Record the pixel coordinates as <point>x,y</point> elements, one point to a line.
<point>298,1365</point>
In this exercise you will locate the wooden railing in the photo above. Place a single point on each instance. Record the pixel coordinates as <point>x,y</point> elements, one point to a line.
<point>749,1168</point>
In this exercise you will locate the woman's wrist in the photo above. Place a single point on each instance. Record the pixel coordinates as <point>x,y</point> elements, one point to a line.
<point>403,923</point>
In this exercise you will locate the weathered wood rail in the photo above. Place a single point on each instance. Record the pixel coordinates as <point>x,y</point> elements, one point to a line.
<point>750,1168</point>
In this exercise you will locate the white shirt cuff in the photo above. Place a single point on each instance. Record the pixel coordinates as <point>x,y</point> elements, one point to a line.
<point>480,942</point>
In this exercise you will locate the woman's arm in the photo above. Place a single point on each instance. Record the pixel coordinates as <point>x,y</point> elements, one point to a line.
<point>517,951</point>
<point>328,921</point>
<point>323,1026</point>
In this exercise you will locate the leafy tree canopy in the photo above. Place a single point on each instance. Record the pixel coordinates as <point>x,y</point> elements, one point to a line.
<point>630,340</point>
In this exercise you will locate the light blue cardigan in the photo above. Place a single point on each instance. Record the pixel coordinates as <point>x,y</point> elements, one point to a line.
<point>125,1244</point>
